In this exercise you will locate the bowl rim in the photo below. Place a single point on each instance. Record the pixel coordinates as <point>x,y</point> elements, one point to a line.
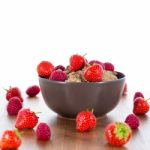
<point>82,83</point>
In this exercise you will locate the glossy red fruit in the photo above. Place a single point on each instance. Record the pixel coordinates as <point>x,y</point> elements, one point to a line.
<point>141,106</point>
<point>43,132</point>
<point>13,92</point>
<point>85,121</point>
<point>33,90</point>
<point>133,121</point>
<point>14,105</point>
<point>10,140</point>
<point>77,62</point>
<point>109,66</point>
<point>45,69</point>
<point>117,134</point>
<point>94,73</point>
<point>138,94</point>
<point>26,119</point>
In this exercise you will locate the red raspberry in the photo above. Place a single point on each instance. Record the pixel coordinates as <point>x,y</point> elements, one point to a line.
<point>43,132</point>
<point>133,121</point>
<point>138,94</point>
<point>58,75</point>
<point>33,90</point>
<point>92,62</point>
<point>60,67</point>
<point>14,105</point>
<point>109,66</point>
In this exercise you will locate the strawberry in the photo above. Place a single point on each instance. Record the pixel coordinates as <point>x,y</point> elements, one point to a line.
<point>33,90</point>
<point>141,106</point>
<point>77,62</point>
<point>26,119</point>
<point>14,105</point>
<point>13,92</point>
<point>117,134</point>
<point>94,73</point>
<point>85,121</point>
<point>10,140</point>
<point>45,69</point>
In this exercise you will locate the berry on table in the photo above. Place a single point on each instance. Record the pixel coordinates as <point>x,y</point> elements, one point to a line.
<point>10,140</point>
<point>85,121</point>
<point>133,121</point>
<point>14,105</point>
<point>117,134</point>
<point>138,94</point>
<point>26,119</point>
<point>141,106</point>
<point>13,92</point>
<point>33,90</point>
<point>43,132</point>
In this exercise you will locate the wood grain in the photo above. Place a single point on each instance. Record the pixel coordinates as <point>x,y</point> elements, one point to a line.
<point>64,135</point>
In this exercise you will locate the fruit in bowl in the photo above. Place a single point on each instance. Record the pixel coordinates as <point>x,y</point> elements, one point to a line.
<point>79,86</point>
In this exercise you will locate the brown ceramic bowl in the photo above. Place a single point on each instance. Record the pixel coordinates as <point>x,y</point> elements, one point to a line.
<point>67,99</point>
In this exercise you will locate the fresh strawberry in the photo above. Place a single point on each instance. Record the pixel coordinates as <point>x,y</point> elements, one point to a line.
<point>117,134</point>
<point>138,94</point>
<point>33,90</point>
<point>43,132</point>
<point>141,106</point>
<point>13,92</point>
<point>85,121</point>
<point>77,62</point>
<point>45,69</point>
<point>125,90</point>
<point>10,140</point>
<point>94,73</point>
<point>109,66</point>
<point>26,119</point>
<point>14,105</point>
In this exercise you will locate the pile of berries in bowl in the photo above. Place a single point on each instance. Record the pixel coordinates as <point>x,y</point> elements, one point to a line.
<point>82,84</point>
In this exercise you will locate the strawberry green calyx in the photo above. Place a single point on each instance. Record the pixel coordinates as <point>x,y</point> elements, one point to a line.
<point>18,134</point>
<point>122,131</point>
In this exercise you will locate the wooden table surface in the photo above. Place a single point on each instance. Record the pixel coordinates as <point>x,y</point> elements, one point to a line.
<point>64,135</point>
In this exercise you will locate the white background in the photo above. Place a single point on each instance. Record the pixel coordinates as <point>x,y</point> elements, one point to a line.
<point>34,30</point>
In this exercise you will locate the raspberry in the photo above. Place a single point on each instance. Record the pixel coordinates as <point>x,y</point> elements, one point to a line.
<point>58,75</point>
<point>14,105</point>
<point>60,67</point>
<point>96,62</point>
<point>138,94</point>
<point>43,132</point>
<point>133,121</point>
<point>109,66</point>
<point>33,90</point>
